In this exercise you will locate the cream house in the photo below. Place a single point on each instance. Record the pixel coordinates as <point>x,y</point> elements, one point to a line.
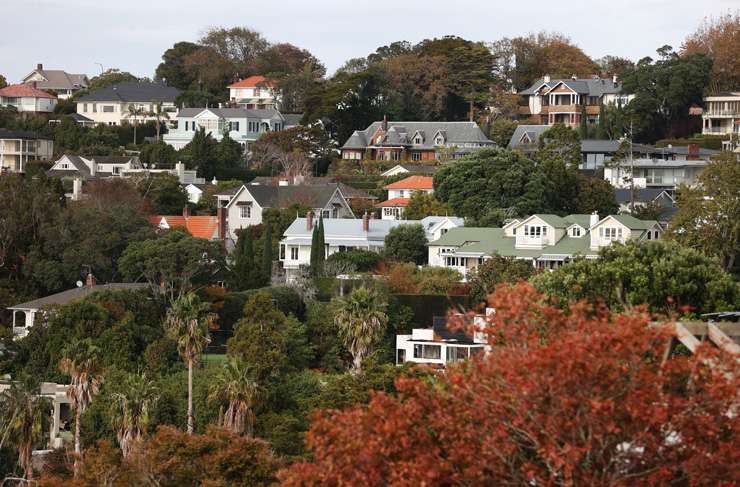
<point>112,105</point>
<point>18,147</point>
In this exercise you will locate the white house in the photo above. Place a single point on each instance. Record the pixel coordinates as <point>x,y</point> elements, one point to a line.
<point>400,193</point>
<point>112,105</point>
<point>545,240</point>
<point>24,314</point>
<point>62,83</point>
<point>256,92</point>
<point>721,114</point>
<point>341,235</point>
<point>244,126</point>
<point>27,99</point>
<point>18,147</point>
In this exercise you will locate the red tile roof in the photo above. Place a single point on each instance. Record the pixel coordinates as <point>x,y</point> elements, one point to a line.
<point>413,182</point>
<point>394,202</point>
<point>251,82</point>
<point>198,226</point>
<point>23,90</point>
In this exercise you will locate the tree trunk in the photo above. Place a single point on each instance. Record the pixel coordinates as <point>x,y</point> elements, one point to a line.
<point>357,363</point>
<point>27,462</point>
<point>135,124</point>
<point>78,414</point>
<point>190,397</point>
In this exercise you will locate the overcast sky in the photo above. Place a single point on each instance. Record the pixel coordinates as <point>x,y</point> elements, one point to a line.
<point>132,34</point>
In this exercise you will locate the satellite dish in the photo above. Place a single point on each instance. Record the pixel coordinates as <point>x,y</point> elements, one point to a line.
<point>79,283</point>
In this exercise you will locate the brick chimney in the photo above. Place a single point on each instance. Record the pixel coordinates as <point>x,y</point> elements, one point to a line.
<point>309,220</point>
<point>385,123</point>
<point>692,152</point>
<point>39,67</point>
<point>186,212</point>
<point>90,281</point>
<point>365,223</point>
<point>221,221</point>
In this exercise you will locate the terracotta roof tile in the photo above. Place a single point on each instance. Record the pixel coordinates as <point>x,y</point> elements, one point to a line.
<point>198,226</point>
<point>23,90</point>
<point>394,202</point>
<point>251,82</point>
<point>413,182</point>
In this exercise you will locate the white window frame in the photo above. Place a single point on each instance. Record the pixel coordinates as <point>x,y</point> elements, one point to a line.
<point>244,215</point>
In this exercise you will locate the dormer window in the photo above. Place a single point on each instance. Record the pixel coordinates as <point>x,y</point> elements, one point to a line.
<point>439,140</point>
<point>417,140</point>
<point>575,232</point>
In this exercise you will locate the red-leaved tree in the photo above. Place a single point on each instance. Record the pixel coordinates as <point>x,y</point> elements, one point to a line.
<point>566,397</point>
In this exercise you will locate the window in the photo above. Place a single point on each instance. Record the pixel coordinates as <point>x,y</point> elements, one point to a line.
<point>415,156</point>
<point>253,126</point>
<point>454,261</point>
<point>610,233</point>
<point>245,211</point>
<point>456,354</point>
<point>282,252</point>
<point>575,232</point>
<point>395,155</point>
<point>234,126</point>
<point>294,253</point>
<point>116,169</point>
<point>108,108</point>
<point>400,355</point>
<point>326,213</point>
<point>209,125</point>
<point>257,92</point>
<point>187,124</point>
<point>433,352</point>
<point>95,107</point>
<point>278,126</point>
<point>417,140</point>
<point>84,107</point>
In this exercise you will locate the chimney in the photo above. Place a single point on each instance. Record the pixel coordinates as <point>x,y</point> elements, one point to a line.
<point>221,221</point>
<point>90,281</point>
<point>186,212</point>
<point>692,152</point>
<point>614,79</point>
<point>385,123</point>
<point>365,223</point>
<point>76,189</point>
<point>39,67</point>
<point>573,77</point>
<point>309,220</point>
<point>93,168</point>
<point>593,220</point>
<point>215,181</point>
<point>546,79</point>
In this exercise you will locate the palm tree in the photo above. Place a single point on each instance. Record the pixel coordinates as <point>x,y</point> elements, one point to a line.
<point>80,361</point>
<point>361,319</point>
<point>24,422</point>
<point>235,386</point>
<point>159,116</point>
<point>135,111</point>
<point>130,410</point>
<point>188,322</point>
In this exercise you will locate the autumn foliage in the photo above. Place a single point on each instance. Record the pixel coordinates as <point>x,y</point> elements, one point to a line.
<point>566,397</point>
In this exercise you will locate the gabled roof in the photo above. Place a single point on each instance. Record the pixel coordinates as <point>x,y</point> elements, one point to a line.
<point>642,195</point>
<point>347,191</point>
<point>585,86</point>
<point>136,91</point>
<point>336,229</point>
<point>22,134</point>
<point>198,226</point>
<point>633,223</point>
<point>285,196</point>
<point>401,134</point>
<point>267,113</point>
<point>75,294</point>
<point>58,79</point>
<point>252,82</point>
<point>396,202</point>
<point>24,91</point>
<point>413,182</point>
<point>532,132</point>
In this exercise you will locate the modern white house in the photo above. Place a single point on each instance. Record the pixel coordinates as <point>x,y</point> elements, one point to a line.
<point>341,235</point>
<point>102,167</point>
<point>400,193</point>
<point>254,92</point>
<point>60,82</point>
<point>547,241</point>
<point>244,206</point>
<point>25,314</point>
<point>721,114</point>
<point>18,147</point>
<point>27,99</point>
<point>112,105</point>
<point>61,414</point>
<point>438,346</point>
<point>243,125</point>
<point>660,173</point>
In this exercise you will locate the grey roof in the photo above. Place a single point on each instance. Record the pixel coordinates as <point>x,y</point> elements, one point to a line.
<point>292,119</point>
<point>642,195</point>
<point>283,196</point>
<point>584,86</point>
<point>402,134</point>
<point>77,293</point>
<point>684,151</point>
<point>338,228</point>
<point>347,191</point>
<point>79,118</point>
<point>22,134</point>
<point>532,131</point>
<point>231,112</point>
<point>83,170</point>
<point>138,91</point>
<point>58,79</point>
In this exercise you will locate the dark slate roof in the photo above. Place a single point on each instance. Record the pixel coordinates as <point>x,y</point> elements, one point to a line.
<point>292,119</point>
<point>231,112</point>
<point>585,86</point>
<point>22,134</point>
<point>77,293</point>
<point>284,196</point>
<point>642,195</point>
<point>134,91</point>
<point>457,336</point>
<point>402,134</point>
<point>533,131</point>
<point>58,79</point>
<point>80,118</point>
<point>347,191</point>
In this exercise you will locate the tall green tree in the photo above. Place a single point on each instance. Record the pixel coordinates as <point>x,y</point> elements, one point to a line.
<point>24,423</point>
<point>131,409</point>
<point>361,318</point>
<point>407,243</point>
<point>314,250</point>
<point>235,386</point>
<point>583,126</point>
<point>188,323</point>
<point>267,253</point>
<point>81,362</point>
<point>245,274</point>
<point>559,155</point>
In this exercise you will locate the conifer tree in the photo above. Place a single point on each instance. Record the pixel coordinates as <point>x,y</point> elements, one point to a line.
<point>601,127</point>
<point>583,129</point>
<point>314,249</point>
<point>267,253</point>
<point>244,273</point>
<point>320,245</point>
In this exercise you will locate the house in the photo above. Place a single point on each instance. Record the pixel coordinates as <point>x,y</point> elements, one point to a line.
<point>244,206</point>
<point>61,414</point>
<point>545,240</point>
<point>351,194</point>
<point>60,82</point>
<point>721,115</point>
<point>415,141</point>
<point>76,117</point>
<point>438,345</point>
<point>400,193</point>
<point>243,125</point>
<point>254,92</point>
<point>93,167</point>
<point>664,199</point>
<point>112,105</point>
<point>410,169</point>
<point>341,235</point>
<point>204,227</point>
<point>24,314</point>
<point>18,147</point>
<point>292,119</point>
<point>549,101</point>
<point>195,191</point>
<point>27,99</point>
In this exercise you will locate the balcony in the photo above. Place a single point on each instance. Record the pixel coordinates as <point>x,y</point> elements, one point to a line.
<point>722,113</point>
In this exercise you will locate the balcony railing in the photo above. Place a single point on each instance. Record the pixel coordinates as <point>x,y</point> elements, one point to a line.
<point>722,113</point>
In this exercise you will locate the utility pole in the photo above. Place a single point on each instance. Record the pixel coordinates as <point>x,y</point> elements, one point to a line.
<point>632,174</point>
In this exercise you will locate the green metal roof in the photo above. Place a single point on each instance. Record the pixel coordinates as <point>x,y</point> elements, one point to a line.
<point>584,221</point>
<point>554,221</point>
<point>633,223</point>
